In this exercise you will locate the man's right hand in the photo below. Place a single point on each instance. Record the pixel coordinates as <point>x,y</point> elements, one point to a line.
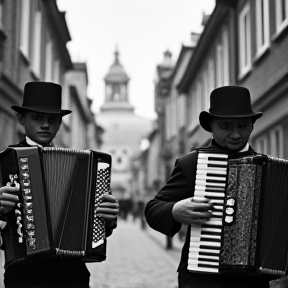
<point>192,211</point>
<point>8,198</point>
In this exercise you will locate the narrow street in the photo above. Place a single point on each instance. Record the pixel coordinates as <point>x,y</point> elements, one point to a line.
<point>136,258</point>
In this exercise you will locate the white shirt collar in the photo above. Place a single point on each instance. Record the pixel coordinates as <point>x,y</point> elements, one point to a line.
<point>246,148</point>
<point>32,143</point>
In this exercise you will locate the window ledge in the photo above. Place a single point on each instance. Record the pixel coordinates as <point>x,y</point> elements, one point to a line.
<point>280,30</point>
<point>264,49</point>
<point>25,57</point>
<point>244,72</point>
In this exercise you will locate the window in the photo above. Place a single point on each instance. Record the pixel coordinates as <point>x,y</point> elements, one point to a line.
<point>225,43</point>
<point>25,27</point>
<point>56,71</point>
<point>261,145</point>
<point>219,63</point>
<point>48,61</point>
<point>262,26</point>
<point>211,76</point>
<point>245,40</point>
<point>1,14</point>
<point>182,110</point>
<point>277,142</point>
<point>36,56</point>
<point>281,15</point>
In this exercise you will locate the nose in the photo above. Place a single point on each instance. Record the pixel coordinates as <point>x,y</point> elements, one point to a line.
<point>45,123</point>
<point>235,134</point>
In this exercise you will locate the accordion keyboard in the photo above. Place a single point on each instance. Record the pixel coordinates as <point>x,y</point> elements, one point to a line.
<point>205,240</point>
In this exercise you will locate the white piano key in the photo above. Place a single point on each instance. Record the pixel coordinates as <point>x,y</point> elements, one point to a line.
<point>208,236</point>
<point>210,229</point>
<point>204,177</point>
<point>197,262</point>
<point>210,194</point>
<point>211,171</point>
<point>214,155</point>
<point>194,249</point>
<point>204,182</point>
<point>206,243</point>
<point>214,221</point>
<point>203,188</point>
<point>205,166</point>
<point>202,269</point>
<point>216,213</point>
<point>195,255</point>
<point>212,162</point>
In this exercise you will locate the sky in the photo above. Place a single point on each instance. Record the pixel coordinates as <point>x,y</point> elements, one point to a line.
<point>142,30</point>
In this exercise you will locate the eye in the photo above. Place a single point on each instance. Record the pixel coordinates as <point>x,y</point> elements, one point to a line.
<point>36,117</point>
<point>224,126</point>
<point>243,125</point>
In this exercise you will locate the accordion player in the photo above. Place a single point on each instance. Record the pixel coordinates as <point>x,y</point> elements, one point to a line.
<point>247,232</point>
<point>56,216</point>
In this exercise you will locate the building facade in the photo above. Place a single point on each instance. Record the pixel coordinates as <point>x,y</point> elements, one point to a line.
<point>33,38</point>
<point>244,43</point>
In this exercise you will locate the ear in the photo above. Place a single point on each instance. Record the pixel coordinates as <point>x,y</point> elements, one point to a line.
<point>21,117</point>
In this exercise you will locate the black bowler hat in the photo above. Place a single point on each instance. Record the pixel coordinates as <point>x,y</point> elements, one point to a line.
<point>228,102</point>
<point>44,97</point>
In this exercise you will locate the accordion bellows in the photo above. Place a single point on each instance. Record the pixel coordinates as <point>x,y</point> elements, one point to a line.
<point>56,216</point>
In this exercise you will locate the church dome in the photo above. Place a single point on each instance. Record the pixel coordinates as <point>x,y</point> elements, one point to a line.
<point>116,73</point>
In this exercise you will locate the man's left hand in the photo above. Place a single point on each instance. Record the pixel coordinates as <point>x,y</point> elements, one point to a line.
<point>108,209</point>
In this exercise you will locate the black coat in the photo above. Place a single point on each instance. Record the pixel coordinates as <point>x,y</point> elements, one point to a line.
<point>158,214</point>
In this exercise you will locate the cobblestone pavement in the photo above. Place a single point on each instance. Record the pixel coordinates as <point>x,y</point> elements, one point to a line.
<point>136,258</point>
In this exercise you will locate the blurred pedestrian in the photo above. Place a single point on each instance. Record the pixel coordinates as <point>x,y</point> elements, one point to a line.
<point>41,115</point>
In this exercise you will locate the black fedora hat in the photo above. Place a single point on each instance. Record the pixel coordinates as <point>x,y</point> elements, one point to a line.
<point>44,97</point>
<point>228,102</point>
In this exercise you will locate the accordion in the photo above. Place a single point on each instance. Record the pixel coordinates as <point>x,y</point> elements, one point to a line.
<point>247,232</point>
<point>56,216</point>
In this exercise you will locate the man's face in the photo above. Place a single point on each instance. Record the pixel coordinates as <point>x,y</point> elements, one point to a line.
<point>231,133</point>
<point>40,127</point>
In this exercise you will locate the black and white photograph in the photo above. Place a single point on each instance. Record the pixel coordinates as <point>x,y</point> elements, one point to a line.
<point>143,143</point>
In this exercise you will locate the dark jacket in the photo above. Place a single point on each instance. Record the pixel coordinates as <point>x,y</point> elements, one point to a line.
<point>180,186</point>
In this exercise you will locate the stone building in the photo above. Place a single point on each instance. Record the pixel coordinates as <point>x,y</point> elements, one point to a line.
<point>123,130</point>
<point>33,38</point>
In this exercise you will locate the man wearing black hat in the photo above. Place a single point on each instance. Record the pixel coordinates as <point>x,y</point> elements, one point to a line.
<point>41,115</point>
<point>230,119</point>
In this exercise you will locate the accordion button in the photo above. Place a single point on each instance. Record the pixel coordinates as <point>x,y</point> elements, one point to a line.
<point>27,191</point>
<point>30,218</point>
<point>24,167</point>
<point>30,226</point>
<point>23,160</point>
<point>231,202</point>
<point>228,219</point>
<point>26,183</point>
<point>229,210</point>
<point>27,198</point>
<point>28,205</point>
<point>26,176</point>
<point>31,233</point>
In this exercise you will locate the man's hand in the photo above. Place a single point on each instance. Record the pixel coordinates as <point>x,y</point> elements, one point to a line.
<point>108,209</point>
<point>192,211</point>
<point>8,198</point>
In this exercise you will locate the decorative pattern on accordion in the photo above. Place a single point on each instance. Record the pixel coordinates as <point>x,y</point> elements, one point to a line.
<point>240,237</point>
<point>102,186</point>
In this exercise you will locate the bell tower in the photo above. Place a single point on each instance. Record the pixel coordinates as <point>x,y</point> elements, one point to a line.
<point>116,87</point>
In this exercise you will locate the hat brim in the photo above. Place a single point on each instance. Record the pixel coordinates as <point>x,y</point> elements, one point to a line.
<point>23,109</point>
<point>205,118</point>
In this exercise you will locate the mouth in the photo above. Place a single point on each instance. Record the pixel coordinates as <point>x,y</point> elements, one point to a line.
<point>44,133</point>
